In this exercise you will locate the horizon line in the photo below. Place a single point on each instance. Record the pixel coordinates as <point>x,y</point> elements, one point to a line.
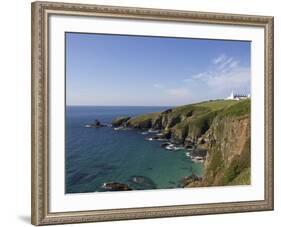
<point>145,105</point>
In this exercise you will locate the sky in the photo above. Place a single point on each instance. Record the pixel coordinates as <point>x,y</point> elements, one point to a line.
<point>119,70</point>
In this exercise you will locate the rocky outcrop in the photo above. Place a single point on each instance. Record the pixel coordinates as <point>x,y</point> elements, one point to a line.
<point>190,121</point>
<point>96,124</point>
<point>119,121</point>
<point>115,186</point>
<point>190,181</point>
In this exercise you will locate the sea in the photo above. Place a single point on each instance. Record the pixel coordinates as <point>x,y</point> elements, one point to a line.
<point>95,156</point>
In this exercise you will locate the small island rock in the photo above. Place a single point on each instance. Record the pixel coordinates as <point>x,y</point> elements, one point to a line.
<point>115,186</point>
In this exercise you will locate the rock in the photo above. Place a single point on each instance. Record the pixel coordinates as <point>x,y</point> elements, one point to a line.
<point>143,124</point>
<point>157,138</point>
<point>189,141</point>
<point>167,111</point>
<point>200,140</point>
<point>199,152</point>
<point>172,121</point>
<point>166,135</point>
<point>119,121</point>
<point>97,124</point>
<point>115,186</point>
<point>157,124</point>
<point>187,180</point>
<point>190,147</point>
<point>165,144</point>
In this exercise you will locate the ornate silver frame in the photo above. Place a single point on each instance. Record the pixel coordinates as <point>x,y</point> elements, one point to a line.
<point>40,106</point>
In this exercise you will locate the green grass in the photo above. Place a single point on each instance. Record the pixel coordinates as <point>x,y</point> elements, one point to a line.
<point>244,178</point>
<point>240,108</point>
<point>199,111</point>
<point>194,119</point>
<point>143,118</point>
<point>204,108</point>
<point>197,125</point>
<point>216,104</point>
<point>188,109</point>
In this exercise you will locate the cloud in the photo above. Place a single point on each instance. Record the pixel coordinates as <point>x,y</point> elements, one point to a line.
<point>219,59</point>
<point>233,64</point>
<point>200,75</point>
<point>237,79</point>
<point>222,75</point>
<point>196,77</point>
<point>224,64</point>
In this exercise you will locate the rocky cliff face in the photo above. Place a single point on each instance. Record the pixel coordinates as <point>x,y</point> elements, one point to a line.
<point>221,127</point>
<point>228,158</point>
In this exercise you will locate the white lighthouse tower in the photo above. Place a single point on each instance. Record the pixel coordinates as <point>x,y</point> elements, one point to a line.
<point>231,97</point>
<point>237,96</point>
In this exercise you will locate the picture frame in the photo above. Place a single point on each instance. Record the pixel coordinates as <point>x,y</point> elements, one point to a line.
<point>41,101</point>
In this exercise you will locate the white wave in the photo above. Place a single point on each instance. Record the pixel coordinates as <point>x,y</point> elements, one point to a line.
<point>144,133</point>
<point>153,131</point>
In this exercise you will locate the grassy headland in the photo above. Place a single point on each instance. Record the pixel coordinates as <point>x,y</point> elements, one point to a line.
<point>222,127</point>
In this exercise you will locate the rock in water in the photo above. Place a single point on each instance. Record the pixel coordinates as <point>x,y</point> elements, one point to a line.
<point>185,181</point>
<point>165,144</point>
<point>97,124</point>
<point>115,186</point>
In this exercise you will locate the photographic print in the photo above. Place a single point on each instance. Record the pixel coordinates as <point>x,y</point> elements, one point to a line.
<point>150,113</point>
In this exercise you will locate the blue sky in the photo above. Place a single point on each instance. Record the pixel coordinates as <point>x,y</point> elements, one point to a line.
<point>151,71</point>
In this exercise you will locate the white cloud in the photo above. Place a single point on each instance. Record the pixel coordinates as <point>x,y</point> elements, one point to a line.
<point>219,59</point>
<point>224,74</point>
<point>200,75</point>
<point>224,64</point>
<point>195,77</point>
<point>237,79</point>
<point>220,77</point>
<point>233,64</point>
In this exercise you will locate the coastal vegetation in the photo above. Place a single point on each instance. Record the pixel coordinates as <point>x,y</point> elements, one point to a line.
<point>216,131</point>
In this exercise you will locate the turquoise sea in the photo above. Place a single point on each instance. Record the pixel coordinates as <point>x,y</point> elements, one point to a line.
<point>98,155</point>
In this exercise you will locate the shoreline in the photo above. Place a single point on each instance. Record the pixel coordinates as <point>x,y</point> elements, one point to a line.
<point>215,133</point>
<point>166,144</point>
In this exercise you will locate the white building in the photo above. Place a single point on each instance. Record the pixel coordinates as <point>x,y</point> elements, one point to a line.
<point>237,96</point>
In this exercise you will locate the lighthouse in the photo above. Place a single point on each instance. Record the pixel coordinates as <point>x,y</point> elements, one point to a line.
<point>237,96</point>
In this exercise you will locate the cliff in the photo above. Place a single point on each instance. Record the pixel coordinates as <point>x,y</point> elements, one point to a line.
<point>228,159</point>
<point>222,127</point>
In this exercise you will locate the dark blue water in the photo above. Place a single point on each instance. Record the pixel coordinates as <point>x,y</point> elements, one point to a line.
<point>98,155</point>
